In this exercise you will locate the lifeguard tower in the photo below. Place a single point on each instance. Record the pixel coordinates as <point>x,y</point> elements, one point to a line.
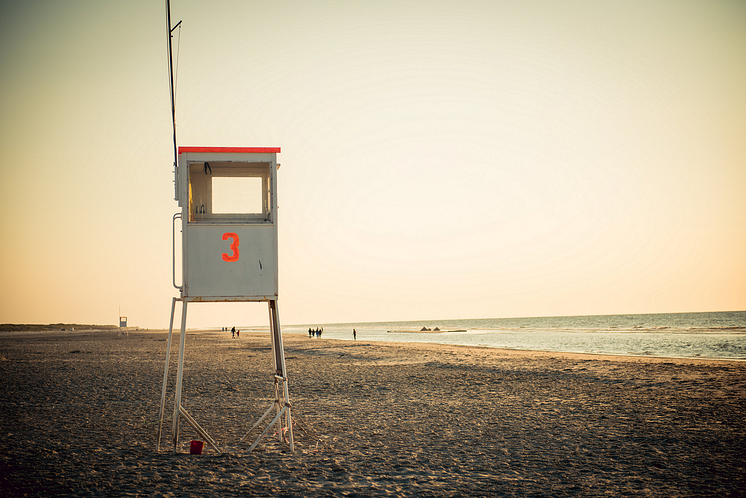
<point>228,200</point>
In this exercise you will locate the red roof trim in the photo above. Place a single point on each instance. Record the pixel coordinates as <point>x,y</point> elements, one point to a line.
<point>239,150</point>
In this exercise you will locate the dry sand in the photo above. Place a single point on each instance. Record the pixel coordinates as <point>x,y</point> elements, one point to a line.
<point>78,417</point>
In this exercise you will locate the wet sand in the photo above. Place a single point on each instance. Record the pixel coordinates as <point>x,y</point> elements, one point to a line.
<point>78,416</point>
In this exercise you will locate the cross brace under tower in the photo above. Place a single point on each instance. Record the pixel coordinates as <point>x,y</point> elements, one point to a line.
<point>280,405</point>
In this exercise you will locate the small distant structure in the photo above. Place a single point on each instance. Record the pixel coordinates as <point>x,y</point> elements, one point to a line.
<point>123,330</point>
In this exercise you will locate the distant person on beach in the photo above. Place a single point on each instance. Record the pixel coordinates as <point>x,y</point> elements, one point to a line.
<point>233,331</point>
<point>310,333</point>
<point>354,334</point>
<point>238,334</point>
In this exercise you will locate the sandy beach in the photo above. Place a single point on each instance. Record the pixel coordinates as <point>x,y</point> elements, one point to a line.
<point>78,416</point>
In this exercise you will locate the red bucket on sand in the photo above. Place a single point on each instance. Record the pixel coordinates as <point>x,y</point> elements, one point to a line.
<point>196,447</point>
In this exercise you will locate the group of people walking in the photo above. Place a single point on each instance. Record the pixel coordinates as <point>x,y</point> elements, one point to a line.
<point>315,332</point>
<point>311,332</point>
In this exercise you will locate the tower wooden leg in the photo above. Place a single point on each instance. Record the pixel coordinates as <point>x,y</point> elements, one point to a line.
<point>278,355</point>
<point>165,377</point>
<point>179,376</point>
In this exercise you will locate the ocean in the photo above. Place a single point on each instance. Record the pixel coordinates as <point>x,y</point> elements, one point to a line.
<point>720,335</point>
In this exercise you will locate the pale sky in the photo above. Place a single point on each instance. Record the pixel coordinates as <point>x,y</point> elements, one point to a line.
<point>440,159</point>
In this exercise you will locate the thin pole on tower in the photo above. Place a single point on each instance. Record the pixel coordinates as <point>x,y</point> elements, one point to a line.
<point>169,31</point>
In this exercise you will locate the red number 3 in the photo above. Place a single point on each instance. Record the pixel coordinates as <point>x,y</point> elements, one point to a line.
<point>234,247</point>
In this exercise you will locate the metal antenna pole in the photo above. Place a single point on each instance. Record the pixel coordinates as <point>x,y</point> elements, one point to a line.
<point>170,30</point>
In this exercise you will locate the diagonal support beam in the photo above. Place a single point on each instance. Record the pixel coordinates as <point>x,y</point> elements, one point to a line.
<point>199,429</point>
<point>274,421</point>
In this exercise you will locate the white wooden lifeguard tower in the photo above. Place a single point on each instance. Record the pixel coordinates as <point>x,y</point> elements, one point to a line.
<point>228,200</point>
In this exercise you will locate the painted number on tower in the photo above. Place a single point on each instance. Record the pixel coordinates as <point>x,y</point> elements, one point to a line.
<point>234,247</point>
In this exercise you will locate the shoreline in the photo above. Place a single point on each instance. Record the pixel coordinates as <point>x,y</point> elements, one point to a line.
<point>257,334</point>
